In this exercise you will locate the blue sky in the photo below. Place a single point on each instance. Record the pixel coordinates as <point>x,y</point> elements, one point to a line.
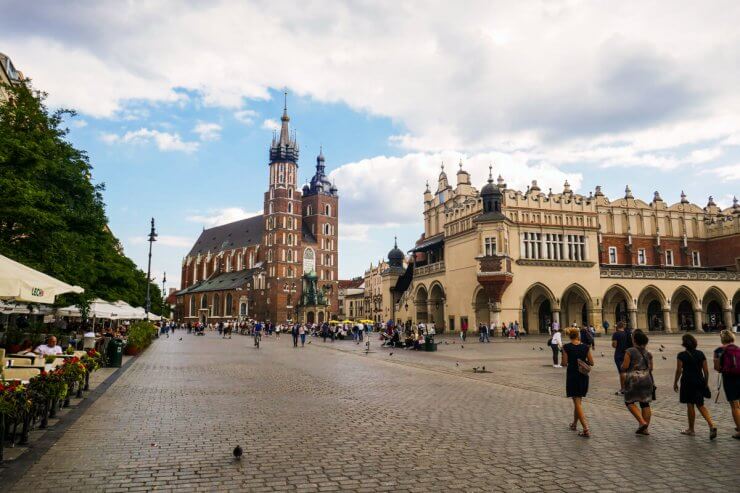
<point>176,103</point>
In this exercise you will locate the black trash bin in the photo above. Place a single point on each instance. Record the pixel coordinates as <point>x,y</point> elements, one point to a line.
<point>115,353</point>
<point>429,344</point>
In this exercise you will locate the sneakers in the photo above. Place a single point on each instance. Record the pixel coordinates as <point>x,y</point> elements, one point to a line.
<point>557,366</point>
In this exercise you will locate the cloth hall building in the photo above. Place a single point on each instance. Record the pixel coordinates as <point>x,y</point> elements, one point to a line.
<point>277,266</point>
<point>501,255</point>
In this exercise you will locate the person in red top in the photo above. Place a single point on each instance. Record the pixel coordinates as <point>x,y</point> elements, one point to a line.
<point>464,330</point>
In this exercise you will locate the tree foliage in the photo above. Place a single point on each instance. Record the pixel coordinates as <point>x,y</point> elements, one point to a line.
<point>52,217</point>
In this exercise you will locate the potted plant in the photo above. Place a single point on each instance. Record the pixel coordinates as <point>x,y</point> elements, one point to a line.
<point>140,336</point>
<point>93,360</point>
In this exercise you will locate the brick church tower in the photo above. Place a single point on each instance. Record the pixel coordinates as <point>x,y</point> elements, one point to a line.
<point>320,220</point>
<point>282,237</point>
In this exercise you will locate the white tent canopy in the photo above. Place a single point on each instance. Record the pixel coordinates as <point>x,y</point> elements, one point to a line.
<point>21,283</point>
<point>118,310</point>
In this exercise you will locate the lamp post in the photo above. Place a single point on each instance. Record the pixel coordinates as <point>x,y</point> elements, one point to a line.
<point>152,239</point>
<point>164,293</point>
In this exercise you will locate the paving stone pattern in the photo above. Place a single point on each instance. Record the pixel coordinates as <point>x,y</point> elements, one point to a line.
<point>328,418</point>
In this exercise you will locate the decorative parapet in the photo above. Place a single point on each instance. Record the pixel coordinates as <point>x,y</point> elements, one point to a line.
<point>669,274</point>
<point>426,270</point>
<point>555,263</point>
<point>493,264</point>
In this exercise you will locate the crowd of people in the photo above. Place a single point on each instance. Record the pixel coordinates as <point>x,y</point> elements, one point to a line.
<point>634,363</point>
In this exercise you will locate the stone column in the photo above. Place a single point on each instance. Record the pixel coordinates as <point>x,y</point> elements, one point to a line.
<point>494,310</point>
<point>556,315</point>
<point>667,321</point>
<point>698,320</point>
<point>596,320</point>
<point>727,312</point>
<point>633,318</point>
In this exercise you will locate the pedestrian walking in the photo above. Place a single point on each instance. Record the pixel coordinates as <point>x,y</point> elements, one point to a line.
<point>294,334</point>
<point>302,334</point>
<point>621,341</point>
<point>464,330</point>
<point>578,360</point>
<point>727,363</point>
<point>278,329</point>
<point>639,385</point>
<point>692,370</point>
<point>556,343</point>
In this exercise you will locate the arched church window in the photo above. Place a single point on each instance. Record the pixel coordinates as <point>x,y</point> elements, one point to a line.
<point>290,207</point>
<point>327,210</point>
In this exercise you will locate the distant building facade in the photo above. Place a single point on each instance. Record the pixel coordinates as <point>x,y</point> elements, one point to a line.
<point>501,255</point>
<point>8,75</point>
<point>281,265</point>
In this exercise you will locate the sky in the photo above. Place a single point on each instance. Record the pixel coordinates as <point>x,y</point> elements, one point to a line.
<point>177,102</point>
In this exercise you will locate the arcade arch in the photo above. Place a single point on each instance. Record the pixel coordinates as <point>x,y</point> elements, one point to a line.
<point>618,306</point>
<point>420,302</point>
<point>652,310</point>
<point>576,306</point>
<point>713,304</point>
<point>685,310</point>
<point>437,305</point>
<point>537,309</point>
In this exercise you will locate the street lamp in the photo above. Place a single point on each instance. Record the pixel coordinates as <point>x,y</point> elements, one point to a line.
<point>152,239</point>
<point>164,293</point>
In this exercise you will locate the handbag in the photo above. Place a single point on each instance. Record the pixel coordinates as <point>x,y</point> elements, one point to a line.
<point>583,367</point>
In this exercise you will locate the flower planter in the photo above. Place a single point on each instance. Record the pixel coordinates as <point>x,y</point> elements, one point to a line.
<point>53,409</point>
<point>131,351</point>
<point>87,381</point>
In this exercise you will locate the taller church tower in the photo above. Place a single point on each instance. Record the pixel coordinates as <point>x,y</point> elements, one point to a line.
<point>282,236</point>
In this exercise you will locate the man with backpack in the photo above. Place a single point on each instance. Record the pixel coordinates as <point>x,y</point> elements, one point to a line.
<point>727,362</point>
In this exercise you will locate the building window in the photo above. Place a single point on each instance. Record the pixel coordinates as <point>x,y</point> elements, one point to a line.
<point>641,256</point>
<point>532,245</point>
<point>695,259</point>
<point>290,193</point>
<point>251,259</point>
<point>612,255</point>
<point>309,260</point>
<point>490,246</point>
<point>270,208</point>
<point>327,210</point>
<point>669,257</point>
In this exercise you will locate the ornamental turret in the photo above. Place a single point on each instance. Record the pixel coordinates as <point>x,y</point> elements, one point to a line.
<point>284,148</point>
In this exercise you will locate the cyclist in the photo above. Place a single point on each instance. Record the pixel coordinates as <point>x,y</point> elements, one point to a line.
<point>257,334</point>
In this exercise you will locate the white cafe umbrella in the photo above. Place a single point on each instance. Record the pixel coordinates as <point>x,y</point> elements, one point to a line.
<point>21,283</point>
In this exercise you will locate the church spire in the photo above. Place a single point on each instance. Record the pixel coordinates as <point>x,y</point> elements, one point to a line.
<point>285,147</point>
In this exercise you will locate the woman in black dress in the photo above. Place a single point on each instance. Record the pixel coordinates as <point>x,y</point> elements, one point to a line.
<point>691,368</point>
<point>576,383</point>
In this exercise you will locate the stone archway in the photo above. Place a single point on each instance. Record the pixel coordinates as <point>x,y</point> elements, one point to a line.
<point>575,306</point>
<point>714,304</point>
<point>481,307</point>
<point>685,311</point>
<point>310,317</point>
<point>420,302</point>
<point>321,317</point>
<point>537,309</point>
<point>437,306</point>
<point>652,310</point>
<point>618,307</point>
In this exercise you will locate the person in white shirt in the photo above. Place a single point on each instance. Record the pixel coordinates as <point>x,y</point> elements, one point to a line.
<point>50,348</point>
<point>555,344</point>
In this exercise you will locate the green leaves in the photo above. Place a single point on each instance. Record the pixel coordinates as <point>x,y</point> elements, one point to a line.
<point>52,217</point>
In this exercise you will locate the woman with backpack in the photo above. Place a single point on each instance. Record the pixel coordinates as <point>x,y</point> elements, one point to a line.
<point>639,386</point>
<point>691,368</point>
<point>727,362</point>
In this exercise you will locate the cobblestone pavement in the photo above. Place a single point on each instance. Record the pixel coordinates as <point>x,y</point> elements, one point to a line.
<point>328,417</point>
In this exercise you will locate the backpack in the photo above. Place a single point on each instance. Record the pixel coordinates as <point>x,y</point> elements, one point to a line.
<point>730,360</point>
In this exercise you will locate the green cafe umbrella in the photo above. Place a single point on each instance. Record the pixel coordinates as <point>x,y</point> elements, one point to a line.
<point>21,283</point>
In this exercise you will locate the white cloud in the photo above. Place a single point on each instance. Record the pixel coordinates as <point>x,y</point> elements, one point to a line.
<point>246,117</point>
<point>270,124</point>
<point>565,80</point>
<point>79,123</point>
<point>164,141</point>
<point>221,216</point>
<point>208,131</point>
<point>165,240</point>
<point>730,172</point>
<point>385,189</point>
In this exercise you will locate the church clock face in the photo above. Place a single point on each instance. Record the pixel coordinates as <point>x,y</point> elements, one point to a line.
<point>309,260</point>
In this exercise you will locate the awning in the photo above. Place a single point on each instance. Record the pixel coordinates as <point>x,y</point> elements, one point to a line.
<point>21,283</point>
<point>432,242</point>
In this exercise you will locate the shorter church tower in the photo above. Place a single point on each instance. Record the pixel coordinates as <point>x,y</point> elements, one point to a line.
<point>320,220</point>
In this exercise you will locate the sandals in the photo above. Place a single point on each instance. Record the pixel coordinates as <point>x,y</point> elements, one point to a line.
<point>712,433</point>
<point>642,430</point>
<point>584,434</point>
<point>688,433</point>
<point>572,426</point>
